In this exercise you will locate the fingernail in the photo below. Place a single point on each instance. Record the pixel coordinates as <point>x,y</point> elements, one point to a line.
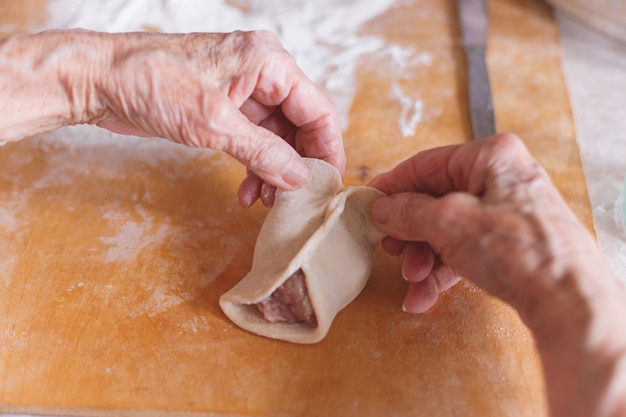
<point>381,208</point>
<point>408,310</point>
<point>296,173</point>
<point>411,310</point>
<point>266,191</point>
<point>406,278</point>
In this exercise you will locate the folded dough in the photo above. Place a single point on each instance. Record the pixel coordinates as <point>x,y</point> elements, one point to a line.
<point>322,231</point>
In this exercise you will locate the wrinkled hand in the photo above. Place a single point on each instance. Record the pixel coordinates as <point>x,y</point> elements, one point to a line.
<point>241,93</point>
<point>485,210</point>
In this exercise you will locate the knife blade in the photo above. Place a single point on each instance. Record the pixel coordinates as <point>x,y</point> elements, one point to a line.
<point>472,16</point>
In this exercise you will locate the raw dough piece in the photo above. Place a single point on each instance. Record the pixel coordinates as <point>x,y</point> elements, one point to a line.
<point>322,229</point>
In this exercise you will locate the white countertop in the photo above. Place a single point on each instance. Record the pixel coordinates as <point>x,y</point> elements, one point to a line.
<point>595,71</point>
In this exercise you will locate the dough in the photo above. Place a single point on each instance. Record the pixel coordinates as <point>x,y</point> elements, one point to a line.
<point>321,231</point>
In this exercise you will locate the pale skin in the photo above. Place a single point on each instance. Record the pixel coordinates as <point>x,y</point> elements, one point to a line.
<point>485,210</point>
<point>488,212</point>
<point>241,93</point>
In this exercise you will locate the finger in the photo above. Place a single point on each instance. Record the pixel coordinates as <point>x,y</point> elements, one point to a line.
<point>264,153</point>
<point>255,111</point>
<point>420,218</point>
<point>422,173</point>
<point>418,261</point>
<point>465,167</point>
<point>281,83</point>
<point>322,139</point>
<point>271,118</point>
<point>278,124</point>
<point>393,246</point>
<point>308,108</point>
<point>249,190</point>
<point>420,297</point>
<point>252,188</point>
<point>273,159</point>
<point>443,276</point>
<point>268,194</point>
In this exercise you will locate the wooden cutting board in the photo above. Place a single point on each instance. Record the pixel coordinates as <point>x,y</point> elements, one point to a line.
<point>113,255</point>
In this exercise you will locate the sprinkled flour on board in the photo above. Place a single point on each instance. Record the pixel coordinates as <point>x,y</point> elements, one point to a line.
<point>323,36</point>
<point>325,45</point>
<point>411,113</point>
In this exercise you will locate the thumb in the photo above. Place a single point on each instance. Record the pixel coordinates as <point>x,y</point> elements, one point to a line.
<point>442,222</point>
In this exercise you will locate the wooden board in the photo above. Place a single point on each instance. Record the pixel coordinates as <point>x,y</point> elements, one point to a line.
<point>113,256</point>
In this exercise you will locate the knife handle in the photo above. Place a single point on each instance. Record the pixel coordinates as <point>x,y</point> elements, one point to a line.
<point>479,89</point>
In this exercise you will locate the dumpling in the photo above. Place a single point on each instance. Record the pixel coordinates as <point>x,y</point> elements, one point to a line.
<point>312,257</point>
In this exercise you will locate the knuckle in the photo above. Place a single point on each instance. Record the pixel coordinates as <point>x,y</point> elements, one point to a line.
<point>508,146</point>
<point>405,214</point>
<point>258,155</point>
<point>266,36</point>
<point>405,218</point>
<point>451,223</point>
<point>216,126</point>
<point>508,139</point>
<point>447,208</point>
<point>444,276</point>
<point>218,115</point>
<point>262,154</point>
<point>262,40</point>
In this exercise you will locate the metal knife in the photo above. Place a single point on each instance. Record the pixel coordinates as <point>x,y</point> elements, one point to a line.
<point>473,21</point>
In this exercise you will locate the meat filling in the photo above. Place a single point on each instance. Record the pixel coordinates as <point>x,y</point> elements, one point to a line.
<point>289,303</point>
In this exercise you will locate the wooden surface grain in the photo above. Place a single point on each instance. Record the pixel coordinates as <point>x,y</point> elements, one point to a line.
<point>113,256</point>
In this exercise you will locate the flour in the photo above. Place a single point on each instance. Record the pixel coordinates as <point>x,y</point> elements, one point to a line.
<point>131,239</point>
<point>75,286</point>
<point>403,58</point>
<point>411,111</point>
<point>7,267</point>
<point>86,147</point>
<point>323,36</point>
<point>8,221</point>
<point>326,37</point>
<point>162,299</point>
<point>9,226</point>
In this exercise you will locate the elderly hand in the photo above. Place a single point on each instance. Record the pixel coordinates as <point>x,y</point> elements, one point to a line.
<point>487,211</point>
<point>240,93</point>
